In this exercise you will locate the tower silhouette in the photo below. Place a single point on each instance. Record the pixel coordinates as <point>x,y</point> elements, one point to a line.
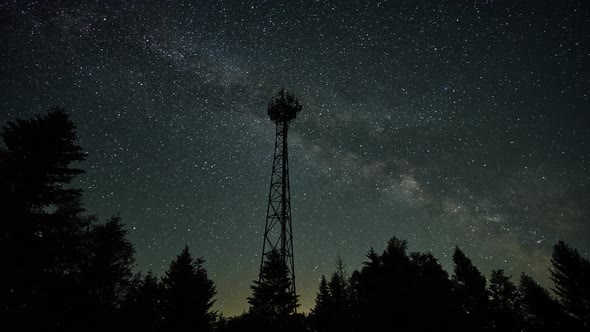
<point>278,234</point>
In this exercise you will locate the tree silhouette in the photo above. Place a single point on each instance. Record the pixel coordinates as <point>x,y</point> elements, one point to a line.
<point>505,310</point>
<point>36,162</point>
<point>188,294</point>
<point>66,271</point>
<point>374,260</point>
<point>44,232</point>
<point>541,311</point>
<point>143,306</point>
<point>333,302</point>
<point>339,291</point>
<point>430,296</point>
<point>320,314</point>
<point>272,302</point>
<point>109,254</point>
<point>469,288</point>
<point>381,291</point>
<point>571,274</point>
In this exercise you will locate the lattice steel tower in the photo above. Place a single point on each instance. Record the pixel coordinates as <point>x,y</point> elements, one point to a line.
<point>278,234</point>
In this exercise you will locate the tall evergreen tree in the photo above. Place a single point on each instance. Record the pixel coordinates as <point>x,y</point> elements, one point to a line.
<point>571,274</point>
<point>469,288</point>
<point>109,259</point>
<point>430,295</point>
<point>339,292</point>
<point>272,302</point>
<point>188,294</point>
<point>381,290</point>
<point>504,303</point>
<point>36,163</point>
<point>541,311</point>
<point>43,230</point>
<point>340,310</point>
<point>374,259</point>
<point>320,314</point>
<point>143,306</point>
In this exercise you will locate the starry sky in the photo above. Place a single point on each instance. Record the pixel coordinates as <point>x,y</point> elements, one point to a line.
<point>439,122</point>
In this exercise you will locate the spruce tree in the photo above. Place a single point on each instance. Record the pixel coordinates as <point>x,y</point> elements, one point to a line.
<point>374,260</point>
<point>188,294</point>
<point>320,314</point>
<point>143,306</point>
<point>36,162</point>
<point>504,303</point>
<point>272,301</point>
<point>571,274</point>
<point>430,294</point>
<point>469,288</point>
<point>43,229</point>
<point>110,258</point>
<point>541,311</point>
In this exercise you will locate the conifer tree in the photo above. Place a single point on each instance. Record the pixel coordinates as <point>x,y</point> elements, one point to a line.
<point>323,304</point>
<point>504,303</point>
<point>43,229</point>
<point>374,260</point>
<point>272,301</point>
<point>339,290</point>
<point>541,311</point>
<point>188,294</point>
<point>110,258</point>
<point>571,274</point>
<point>143,306</point>
<point>430,293</point>
<point>37,161</point>
<point>469,288</point>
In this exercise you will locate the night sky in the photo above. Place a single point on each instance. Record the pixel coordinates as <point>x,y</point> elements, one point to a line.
<point>463,123</point>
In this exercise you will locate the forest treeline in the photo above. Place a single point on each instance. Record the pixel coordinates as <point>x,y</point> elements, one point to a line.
<point>63,269</point>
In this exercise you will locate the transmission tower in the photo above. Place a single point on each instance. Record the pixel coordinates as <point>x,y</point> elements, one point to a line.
<point>278,233</point>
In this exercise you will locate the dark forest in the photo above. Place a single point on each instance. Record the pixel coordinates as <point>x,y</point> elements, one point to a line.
<point>66,270</point>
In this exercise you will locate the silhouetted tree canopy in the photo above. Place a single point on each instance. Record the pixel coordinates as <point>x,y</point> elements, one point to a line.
<point>37,162</point>
<point>188,294</point>
<point>505,313</point>
<point>469,289</point>
<point>64,270</point>
<point>110,257</point>
<point>541,311</point>
<point>272,301</point>
<point>321,313</point>
<point>333,302</point>
<point>571,274</point>
<point>143,306</point>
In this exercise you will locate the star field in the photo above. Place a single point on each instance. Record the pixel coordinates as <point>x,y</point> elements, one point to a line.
<point>440,123</point>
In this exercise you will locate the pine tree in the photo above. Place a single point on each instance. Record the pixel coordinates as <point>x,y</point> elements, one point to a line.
<point>379,293</point>
<point>338,286</point>
<point>430,292</point>
<point>504,305</point>
<point>43,230</point>
<point>541,311</point>
<point>571,274</point>
<point>64,271</point>
<point>374,260</point>
<point>110,259</point>
<point>188,294</point>
<point>36,162</point>
<point>272,301</point>
<point>143,306</point>
<point>320,314</point>
<point>469,288</point>
<point>340,313</point>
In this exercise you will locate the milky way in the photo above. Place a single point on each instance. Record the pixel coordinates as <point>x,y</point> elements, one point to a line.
<point>442,124</point>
